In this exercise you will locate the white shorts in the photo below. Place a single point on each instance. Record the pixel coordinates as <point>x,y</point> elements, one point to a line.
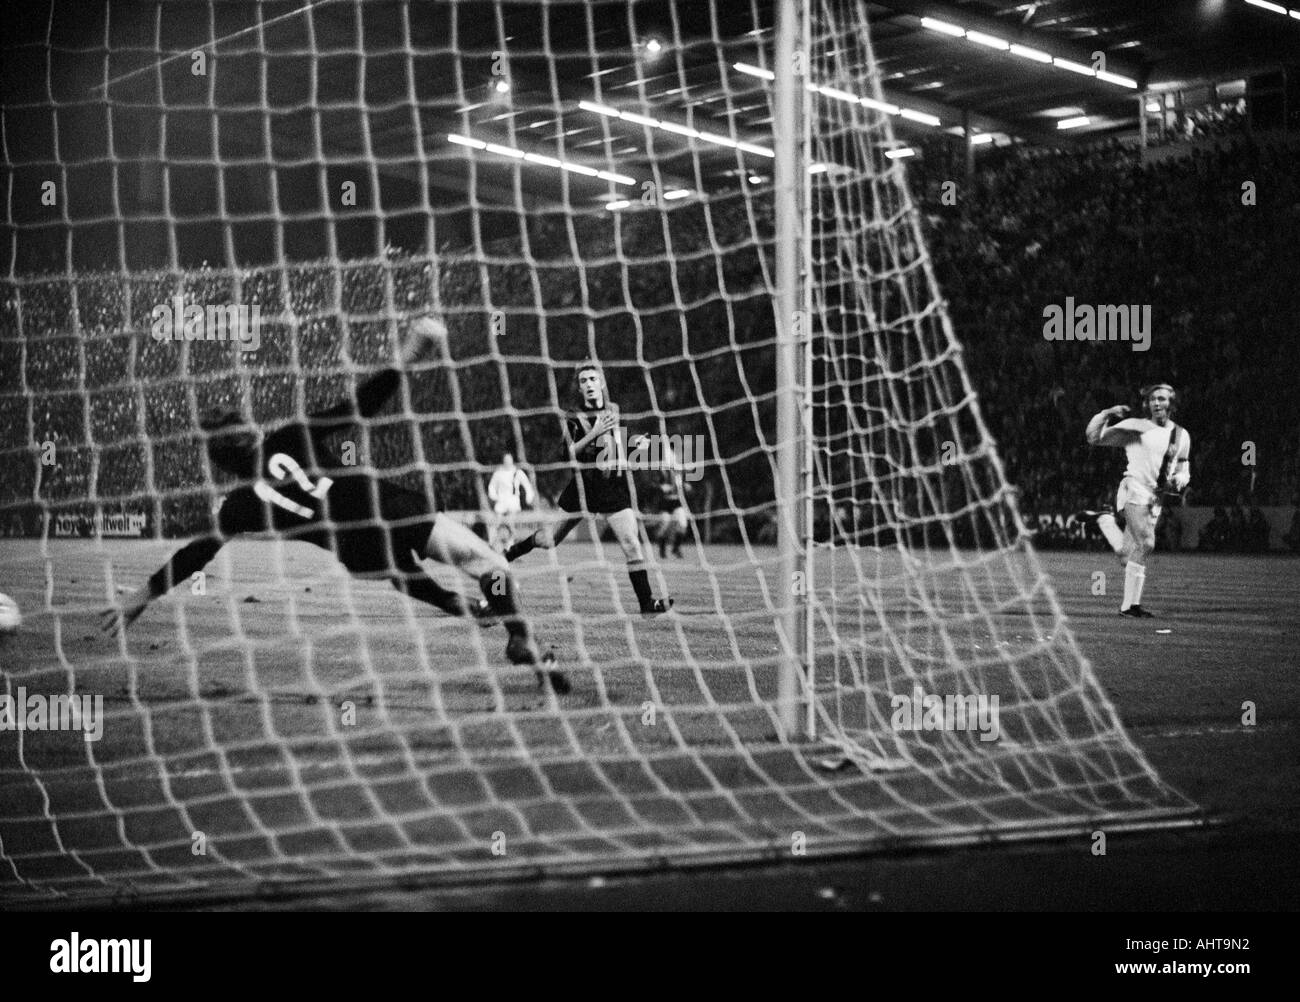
<point>1132,492</point>
<point>1141,509</point>
<point>507,506</point>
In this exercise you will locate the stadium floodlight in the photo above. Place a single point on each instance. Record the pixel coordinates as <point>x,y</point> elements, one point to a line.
<point>900,153</point>
<point>654,46</point>
<point>635,119</point>
<point>1025,52</point>
<point>1074,67</point>
<point>617,204</point>
<point>843,95</point>
<point>874,105</point>
<point>674,194</point>
<point>681,130</point>
<point>538,158</point>
<point>921,116</point>
<point>754,71</point>
<point>1073,123</point>
<point>1037,55</point>
<point>502,86</point>
<point>982,139</point>
<point>1115,78</point>
<point>1271,7</point>
<point>1153,106</point>
<point>943,26</point>
<point>835,93</point>
<point>991,41</point>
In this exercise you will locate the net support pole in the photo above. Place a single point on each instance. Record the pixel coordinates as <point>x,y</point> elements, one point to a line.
<point>792,322</point>
<point>804,160</point>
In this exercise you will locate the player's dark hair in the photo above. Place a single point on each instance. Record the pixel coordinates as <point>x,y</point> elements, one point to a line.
<point>590,365</point>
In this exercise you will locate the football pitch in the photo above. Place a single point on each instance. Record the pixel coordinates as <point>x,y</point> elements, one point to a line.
<point>1208,691</point>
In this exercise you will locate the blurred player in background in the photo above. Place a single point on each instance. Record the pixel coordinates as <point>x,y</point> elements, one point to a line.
<point>1158,467</point>
<point>510,491</point>
<point>292,483</point>
<point>600,485</point>
<point>670,501</point>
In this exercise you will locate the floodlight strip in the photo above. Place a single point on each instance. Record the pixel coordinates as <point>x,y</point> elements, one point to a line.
<point>538,158</point>
<point>1024,52</point>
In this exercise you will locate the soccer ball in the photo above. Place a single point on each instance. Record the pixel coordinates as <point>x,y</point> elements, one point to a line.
<point>10,617</point>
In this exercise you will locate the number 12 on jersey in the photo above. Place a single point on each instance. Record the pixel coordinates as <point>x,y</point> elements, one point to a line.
<point>282,466</point>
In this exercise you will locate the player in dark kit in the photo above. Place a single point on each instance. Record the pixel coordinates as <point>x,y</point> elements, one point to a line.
<point>599,485</point>
<point>293,484</point>
<point>673,519</point>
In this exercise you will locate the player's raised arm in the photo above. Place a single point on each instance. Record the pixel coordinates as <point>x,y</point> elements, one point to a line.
<point>427,335</point>
<point>191,557</point>
<point>1097,432</point>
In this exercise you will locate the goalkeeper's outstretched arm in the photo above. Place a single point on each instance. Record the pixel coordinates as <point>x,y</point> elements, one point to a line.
<point>194,556</point>
<point>427,334</point>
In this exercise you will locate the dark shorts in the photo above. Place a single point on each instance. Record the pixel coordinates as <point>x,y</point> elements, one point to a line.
<point>599,495</point>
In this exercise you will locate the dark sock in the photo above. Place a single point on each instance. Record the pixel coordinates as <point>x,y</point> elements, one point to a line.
<point>641,585</point>
<point>499,590</point>
<point>520,548</point>
<point>424,589</point>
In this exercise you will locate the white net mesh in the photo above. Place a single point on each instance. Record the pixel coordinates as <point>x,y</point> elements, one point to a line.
<point>346,166</point>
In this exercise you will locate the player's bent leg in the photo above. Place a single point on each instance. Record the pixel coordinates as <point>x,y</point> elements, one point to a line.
<point>1140,533</point>
<point>1115,537</point>
<point>411,580</point>
<point>545,538</point>
<point>452,543</point>
<point>627,532</point>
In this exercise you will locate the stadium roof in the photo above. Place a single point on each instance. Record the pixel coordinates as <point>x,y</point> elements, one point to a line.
<point>292,85</point>
<point>1137,44</point>
<point>1159,45</point>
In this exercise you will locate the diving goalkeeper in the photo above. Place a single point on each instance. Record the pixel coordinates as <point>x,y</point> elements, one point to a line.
<point>293,484</point>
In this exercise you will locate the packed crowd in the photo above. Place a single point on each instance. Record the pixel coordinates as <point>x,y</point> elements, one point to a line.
<point>1207,240</point>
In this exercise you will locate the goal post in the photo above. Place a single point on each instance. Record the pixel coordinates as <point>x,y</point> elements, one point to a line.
<point>793,368</point>
<point>702,196</point>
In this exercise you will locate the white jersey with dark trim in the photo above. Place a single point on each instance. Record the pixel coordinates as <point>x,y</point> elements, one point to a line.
<point>1145,444</point>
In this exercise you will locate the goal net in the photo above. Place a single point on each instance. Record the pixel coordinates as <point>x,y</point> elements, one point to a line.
<point>560,181</point>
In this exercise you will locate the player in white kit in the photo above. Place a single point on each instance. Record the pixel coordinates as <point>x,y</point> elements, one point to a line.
<point>508,490</point>
<point>1158,466</point>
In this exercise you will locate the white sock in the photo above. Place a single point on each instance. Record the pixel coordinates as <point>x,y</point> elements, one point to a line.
<point>1134,576</point>
<point>1106,523</point>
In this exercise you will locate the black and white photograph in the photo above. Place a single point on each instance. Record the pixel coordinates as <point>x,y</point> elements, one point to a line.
<point>721,456</point>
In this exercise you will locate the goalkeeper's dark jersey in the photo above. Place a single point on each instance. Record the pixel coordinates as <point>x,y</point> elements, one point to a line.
<point>305,493</point>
